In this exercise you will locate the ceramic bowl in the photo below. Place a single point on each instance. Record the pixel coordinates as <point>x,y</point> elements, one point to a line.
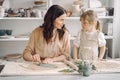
<point>2,32</point>
<point>9,32</point>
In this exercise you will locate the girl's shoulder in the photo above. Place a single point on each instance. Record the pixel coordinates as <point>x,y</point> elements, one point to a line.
<point>101,39</point>
<point>80,31</point>
<point>100,33</point>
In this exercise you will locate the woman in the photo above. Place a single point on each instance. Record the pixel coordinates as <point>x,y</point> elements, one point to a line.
<point>49,42</point>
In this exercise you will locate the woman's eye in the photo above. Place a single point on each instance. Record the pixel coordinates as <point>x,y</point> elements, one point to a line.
<point>62,19</point>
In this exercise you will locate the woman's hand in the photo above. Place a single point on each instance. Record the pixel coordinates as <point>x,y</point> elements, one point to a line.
<point>36,58</point>
<point>48,60</point>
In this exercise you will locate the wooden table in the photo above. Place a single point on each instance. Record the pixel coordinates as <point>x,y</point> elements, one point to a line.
<point>93,76</point>
<point>113,76</point>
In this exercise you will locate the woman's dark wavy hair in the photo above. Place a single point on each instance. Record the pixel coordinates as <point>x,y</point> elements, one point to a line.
<point>53,12</point>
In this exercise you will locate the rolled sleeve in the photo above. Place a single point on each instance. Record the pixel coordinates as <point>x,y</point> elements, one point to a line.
<point>30,46</point>
<point>66,45</point>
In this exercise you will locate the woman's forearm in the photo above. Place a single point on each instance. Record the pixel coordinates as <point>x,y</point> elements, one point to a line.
<point>59,58</point>
<point>27,57</point>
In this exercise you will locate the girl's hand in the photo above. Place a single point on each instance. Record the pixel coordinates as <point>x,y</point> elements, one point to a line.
<point>36,58</point>
<point>48,60</point>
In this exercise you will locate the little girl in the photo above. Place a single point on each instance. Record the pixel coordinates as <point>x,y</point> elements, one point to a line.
<point>89,38</point>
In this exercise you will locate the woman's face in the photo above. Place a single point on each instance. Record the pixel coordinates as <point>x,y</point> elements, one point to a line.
<point>59,21</point>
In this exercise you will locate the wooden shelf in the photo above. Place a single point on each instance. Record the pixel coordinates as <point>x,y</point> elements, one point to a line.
<point>26,39</point>
<point>105,17</point>
<point>108,37</point>
<point>100,17</point>
<point>37,18</point>
<point>15,39</point>
<point>22,18</point>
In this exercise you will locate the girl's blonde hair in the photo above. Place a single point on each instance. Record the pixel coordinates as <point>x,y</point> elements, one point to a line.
<point>90,16</point>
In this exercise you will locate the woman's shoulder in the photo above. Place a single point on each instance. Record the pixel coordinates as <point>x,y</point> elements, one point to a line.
<point>38,29</point>
<point>66,34</point>
<point>66,31</point>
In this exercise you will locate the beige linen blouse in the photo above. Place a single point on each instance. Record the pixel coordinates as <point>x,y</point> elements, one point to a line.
<point>37,45</point>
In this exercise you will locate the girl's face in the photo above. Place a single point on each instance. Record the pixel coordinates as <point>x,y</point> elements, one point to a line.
<point>59,22</point>
<point>87,26</point>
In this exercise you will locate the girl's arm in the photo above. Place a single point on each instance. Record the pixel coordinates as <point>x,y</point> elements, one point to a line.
<point>102,52</point>
<point>76,45</point>
<point>102,45</point>
<point>75,52</point>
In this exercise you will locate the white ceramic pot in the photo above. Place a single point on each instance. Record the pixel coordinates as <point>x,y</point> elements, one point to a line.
<point>76,10</point>
<point>2,11</point>
<point>38,13</point>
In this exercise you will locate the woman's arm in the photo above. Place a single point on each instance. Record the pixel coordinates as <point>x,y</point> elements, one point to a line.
<point>54,59</point>
<point>27,54</point>
<point>29,51</point>
<point>64,50</point>
<point>102,52</point>
<point>65,47</point>
<point>59,58</point>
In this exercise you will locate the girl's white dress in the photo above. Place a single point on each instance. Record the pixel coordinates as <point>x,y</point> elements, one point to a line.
<point>88,43</point>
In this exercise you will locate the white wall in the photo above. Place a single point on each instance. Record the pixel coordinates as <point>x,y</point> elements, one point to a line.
<point>116,40</point>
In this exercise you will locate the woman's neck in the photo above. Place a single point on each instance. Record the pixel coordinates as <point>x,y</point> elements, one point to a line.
<point>54,30</point>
